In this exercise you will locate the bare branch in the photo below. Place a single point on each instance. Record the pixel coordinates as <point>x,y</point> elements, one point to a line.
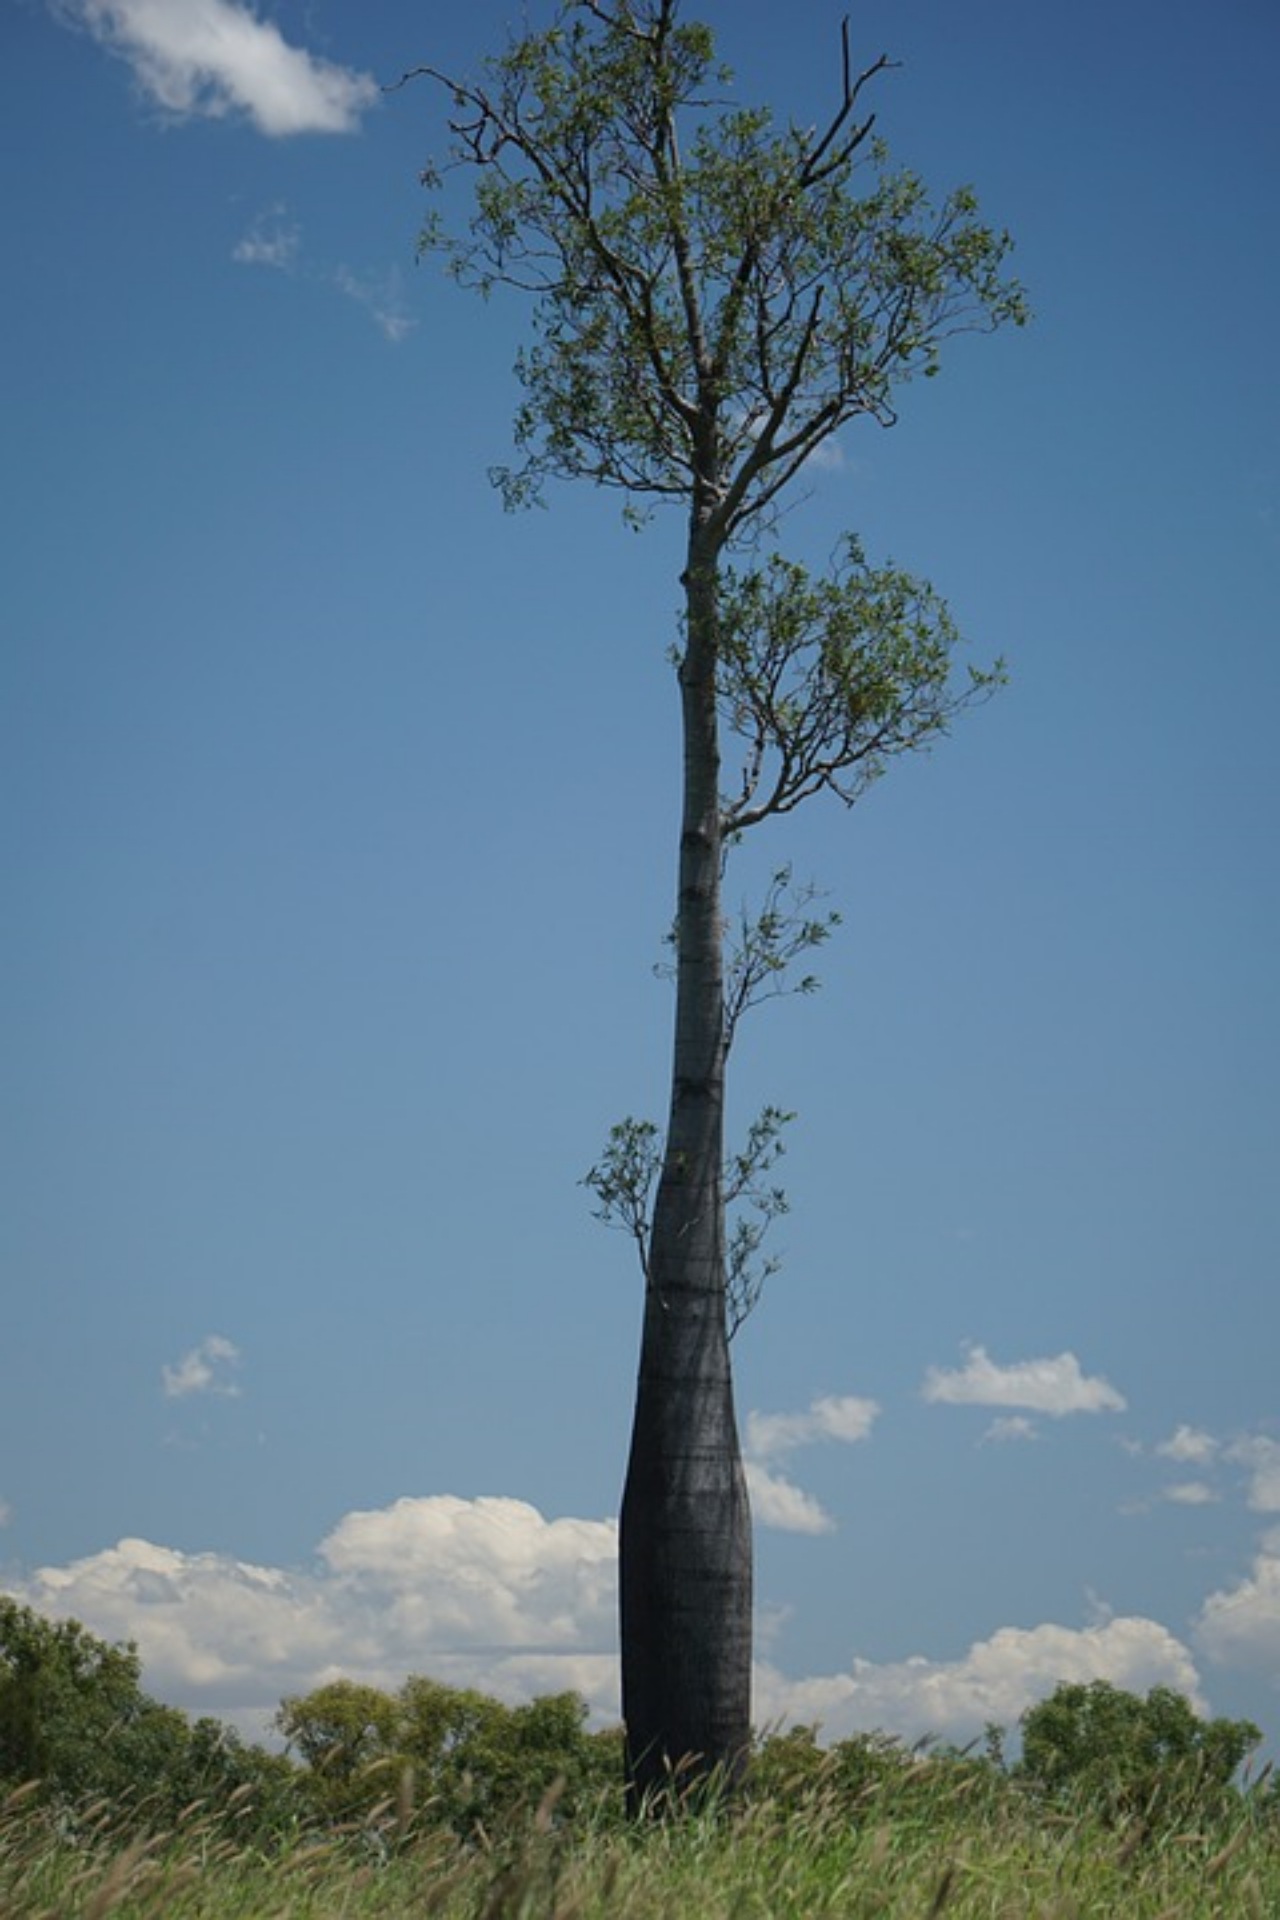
<point>814,171</point>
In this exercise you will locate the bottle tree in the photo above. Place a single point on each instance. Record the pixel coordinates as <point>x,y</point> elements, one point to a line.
<point>714,296</point>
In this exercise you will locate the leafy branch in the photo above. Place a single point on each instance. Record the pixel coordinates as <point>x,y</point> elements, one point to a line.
<point>767,946</point>
<point>623,1181</point>
<point>825,680</point>
<point>716,296</point>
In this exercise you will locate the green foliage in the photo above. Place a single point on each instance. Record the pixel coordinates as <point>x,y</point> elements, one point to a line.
<point>72,1713</point>
<point>714,297</point>
<point>454,1755</point>
<point>762,952</point>
<point>713,293</point>
<point>867,1777</point>
<point>74,1719</point>
<point>1129,1758</point>
<point>824,681</point>
<point>766,944</point>
<point>623,1181</point>
<point>346,1736</point>
<point>746,1268</point>
<point>442,1800</point>
<point>806,1862</point>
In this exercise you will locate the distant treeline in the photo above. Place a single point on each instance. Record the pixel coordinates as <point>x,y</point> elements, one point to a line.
<point>75,1719</point>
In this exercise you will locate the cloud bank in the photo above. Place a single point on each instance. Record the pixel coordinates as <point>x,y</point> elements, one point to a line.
<point>997,1679</point>
<point>489,1593</point>
<point>475,1592</point>
<point>210,59</point>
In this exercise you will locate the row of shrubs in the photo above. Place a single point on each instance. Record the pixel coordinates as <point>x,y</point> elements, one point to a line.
<point>74,1717</point>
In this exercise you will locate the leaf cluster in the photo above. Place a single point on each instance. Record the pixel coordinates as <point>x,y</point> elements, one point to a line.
<point>624,1178</point>
<point>714,295</point>
<point>462,1756</point>
<point>824,681</point>
<point>762,954</point>
<point>1151,1759</point>
<point>74,1717</point>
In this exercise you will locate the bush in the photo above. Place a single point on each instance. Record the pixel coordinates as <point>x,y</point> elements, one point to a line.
<point>1128,1758</point>
<point>72,1714</point>
<point>74,1717</point>
<point>457,1755</point>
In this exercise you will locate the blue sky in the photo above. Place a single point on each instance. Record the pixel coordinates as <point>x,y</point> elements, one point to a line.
<point>338,842</point>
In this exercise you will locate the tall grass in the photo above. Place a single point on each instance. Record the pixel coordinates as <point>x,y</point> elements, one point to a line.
<point>936,1841</point>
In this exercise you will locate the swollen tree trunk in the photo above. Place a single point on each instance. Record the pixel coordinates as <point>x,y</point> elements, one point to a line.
<point>685,1572</point>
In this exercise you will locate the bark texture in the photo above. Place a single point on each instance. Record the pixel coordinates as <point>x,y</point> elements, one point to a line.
<point>686,1573</point>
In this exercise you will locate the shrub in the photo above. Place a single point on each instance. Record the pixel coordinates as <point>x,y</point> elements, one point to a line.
<point>1128,1757</point>
<point>460,1757</point>
<point>74,1717</point>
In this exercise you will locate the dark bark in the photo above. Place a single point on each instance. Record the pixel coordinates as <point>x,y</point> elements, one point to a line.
<point>686,1530</point>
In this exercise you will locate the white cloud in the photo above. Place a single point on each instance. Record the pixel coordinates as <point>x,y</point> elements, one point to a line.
<point>211,58</point>
<point>272,240</point>
<point>204,1370</point>
<point>489,1593</point>
<point>831,1417</point>
<point>1011,1426</point>
<point>778,1502</point>
<point>1262,1457</point>
<point>1190,1445</point>
<point>1240,1626</point>
<point>382,297</point>
<point>482,1593</point>
<point>1190,1493</point>
<point>997,1679</point>
<point>1054,1386</point>
<point>480,1573</point>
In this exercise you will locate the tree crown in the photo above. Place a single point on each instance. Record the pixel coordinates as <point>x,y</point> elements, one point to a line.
<point>715,296</point>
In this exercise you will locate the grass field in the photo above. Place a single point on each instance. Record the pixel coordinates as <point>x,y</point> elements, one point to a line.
<point>955,1848</point>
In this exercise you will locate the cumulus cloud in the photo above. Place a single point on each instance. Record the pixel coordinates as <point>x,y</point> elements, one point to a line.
<point>482,1593</point>
<point>1053,1386</point>
<point>1189,1445</point>
<point>831,1417</point>
<point>489,1593</point>
<point>778,1502</point>
<point>213,58</point>
<point>1240,1626</point>
<point>775,1500</point>
<point>480,1573</point>
<point>206,1369</point>
<point>997,1679</point>
<point>1261,1456</point>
